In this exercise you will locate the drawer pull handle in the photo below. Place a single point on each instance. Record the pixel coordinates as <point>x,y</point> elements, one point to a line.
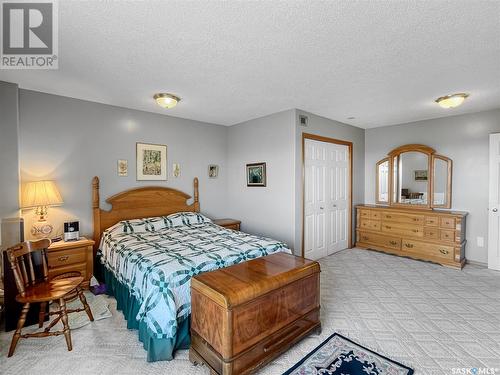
<point>409,245</point>
<point>364,238</point>
<point>63,258</point>
<point>388,216</point>
<point>388,227</point>
<point>415,230</point>
<point>443,251</point>
<point>393,242</point>
<point>415,219</point>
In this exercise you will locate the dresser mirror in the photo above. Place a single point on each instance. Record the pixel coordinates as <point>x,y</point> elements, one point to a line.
<point>412,180</point>
<point>382,187</point>
<point>441,189</point>
<point>414,176</point>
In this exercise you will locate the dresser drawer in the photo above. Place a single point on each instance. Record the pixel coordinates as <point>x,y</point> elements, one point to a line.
<point>447,235</point>
<point>447,222</point>
<point>423,248</point>
<point>432,233</point>
<point>364,214</point>
<point>370,224</point>
<point>380,239</point>
<point>402,229</point>
<point>403,218</point>
<point>432,221</point>
<point>375,215</point>
<point>66,257</point>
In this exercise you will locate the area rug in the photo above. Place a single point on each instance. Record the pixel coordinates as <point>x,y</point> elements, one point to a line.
<point>99,306</point>
<point>339,355</point>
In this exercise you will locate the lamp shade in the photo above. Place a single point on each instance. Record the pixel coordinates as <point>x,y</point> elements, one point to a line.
<point>40,193</point>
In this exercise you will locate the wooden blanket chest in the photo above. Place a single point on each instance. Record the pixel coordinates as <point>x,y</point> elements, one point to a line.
<point>245,315</point>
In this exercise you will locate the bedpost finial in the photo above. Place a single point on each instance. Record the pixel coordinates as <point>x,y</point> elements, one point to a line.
<point>196,197</point>
<point>95,192</point>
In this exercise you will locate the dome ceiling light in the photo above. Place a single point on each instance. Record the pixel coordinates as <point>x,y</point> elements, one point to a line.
<point>165,100</point>
<point>452,101</point>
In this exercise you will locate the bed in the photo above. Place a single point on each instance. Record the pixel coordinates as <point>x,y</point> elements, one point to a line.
<point>151,243</point>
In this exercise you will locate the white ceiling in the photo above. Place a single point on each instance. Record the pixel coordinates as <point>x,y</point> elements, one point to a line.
<point>382,62</point>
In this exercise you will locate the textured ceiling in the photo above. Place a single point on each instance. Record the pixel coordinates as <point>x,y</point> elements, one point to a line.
<point>380,62</point>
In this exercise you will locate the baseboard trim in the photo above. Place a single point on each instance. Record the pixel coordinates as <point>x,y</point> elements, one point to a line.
<point>476,263</point>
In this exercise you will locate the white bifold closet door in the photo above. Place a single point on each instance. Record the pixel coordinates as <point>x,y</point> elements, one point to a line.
<point>326,198</point>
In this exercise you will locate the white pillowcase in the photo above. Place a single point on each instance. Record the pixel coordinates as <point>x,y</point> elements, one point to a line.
<point>153,224</point>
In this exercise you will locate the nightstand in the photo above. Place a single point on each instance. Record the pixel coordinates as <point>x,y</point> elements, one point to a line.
<point>228,223</point>
<point>72,256</point>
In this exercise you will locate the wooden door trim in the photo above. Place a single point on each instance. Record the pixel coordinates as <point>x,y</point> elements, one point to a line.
<point>320,138</point>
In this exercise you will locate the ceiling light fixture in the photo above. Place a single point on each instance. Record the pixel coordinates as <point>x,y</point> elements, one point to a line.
<point>166,100</point>
<point>452,101</point>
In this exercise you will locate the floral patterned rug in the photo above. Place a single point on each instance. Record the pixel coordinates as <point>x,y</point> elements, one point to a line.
<point>339,355</point>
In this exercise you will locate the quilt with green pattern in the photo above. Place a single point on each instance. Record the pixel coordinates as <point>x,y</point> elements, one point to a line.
<point>156,258</point>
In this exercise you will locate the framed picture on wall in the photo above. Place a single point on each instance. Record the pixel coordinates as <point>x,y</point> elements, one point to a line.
<point>122,167</point>
<point>421,175</point>
<point>151,162</point>
<point>213,171</point>
<point>256,174</point>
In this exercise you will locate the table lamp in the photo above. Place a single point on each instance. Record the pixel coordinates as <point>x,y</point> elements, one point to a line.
<point>41,195</point>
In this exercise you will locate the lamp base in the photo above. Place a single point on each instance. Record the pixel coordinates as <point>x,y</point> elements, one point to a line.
<point>41,229</point>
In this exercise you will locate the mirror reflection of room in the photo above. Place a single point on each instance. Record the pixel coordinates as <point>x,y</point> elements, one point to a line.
<point>440,181</point>
<point>383,181</point>
<point>413,178</point>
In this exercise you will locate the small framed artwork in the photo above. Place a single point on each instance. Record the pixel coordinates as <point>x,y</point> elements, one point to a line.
<point>213,171</point>
<point>122,167</point>
<point>421,175</point>
<point>176,169</point>
<point>151,162</point>
<point>256,174</point>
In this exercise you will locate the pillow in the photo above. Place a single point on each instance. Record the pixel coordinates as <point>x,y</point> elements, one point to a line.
<point>148,224</point>
<point>153,224</point>
<point>185,218</point>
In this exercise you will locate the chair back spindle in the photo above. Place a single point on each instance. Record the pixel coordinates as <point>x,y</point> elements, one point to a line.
<point>21,254</point>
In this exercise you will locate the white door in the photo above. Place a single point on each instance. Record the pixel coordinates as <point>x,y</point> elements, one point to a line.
<point>327,198</point>
<point>494,204</point>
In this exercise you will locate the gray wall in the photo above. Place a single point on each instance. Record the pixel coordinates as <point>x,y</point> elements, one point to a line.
<point>269,210</point>
<point>464,139</point>
<point>333,129</point>
<point>71,141</point>
<point>9,155</point>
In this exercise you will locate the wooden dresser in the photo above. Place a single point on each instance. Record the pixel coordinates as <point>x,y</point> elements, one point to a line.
<point>245,315</point>
<point>433,235</point>
<point>72,256</point>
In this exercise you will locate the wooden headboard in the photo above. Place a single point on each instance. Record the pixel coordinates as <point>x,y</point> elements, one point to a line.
<point>137,203</point>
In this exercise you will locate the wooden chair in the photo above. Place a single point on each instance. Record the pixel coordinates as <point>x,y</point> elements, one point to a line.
<point>32,290</point>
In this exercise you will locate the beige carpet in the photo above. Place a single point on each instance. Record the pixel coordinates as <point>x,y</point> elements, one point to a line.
<point>426,316</point>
